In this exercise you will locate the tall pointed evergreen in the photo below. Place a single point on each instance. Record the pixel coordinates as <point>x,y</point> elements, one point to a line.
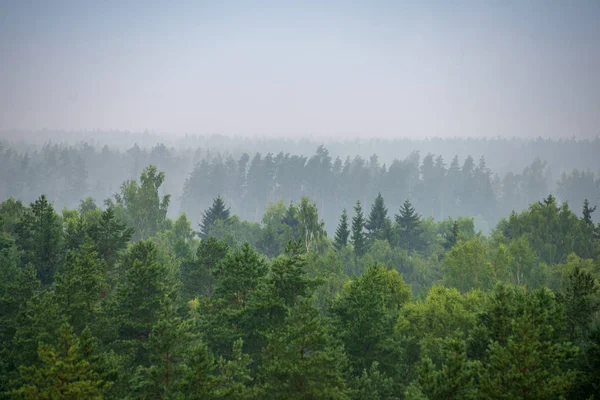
<point>358,236</point>
<point>40,237</point>
<point>378,224</point>
<point>342,232</point>
<point>587,212</point>
<point>410,229</point>
<point>217,211</point>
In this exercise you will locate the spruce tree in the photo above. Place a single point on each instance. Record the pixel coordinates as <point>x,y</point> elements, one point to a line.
<point>378,223</point>
<point>410,229</point>
<point>40,237</point>
<point>218,211</point>
<point>587,212</point>
<point>342,232</point>
<point>358,236</point>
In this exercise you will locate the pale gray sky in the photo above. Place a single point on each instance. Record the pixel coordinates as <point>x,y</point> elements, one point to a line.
<point>371,68</point>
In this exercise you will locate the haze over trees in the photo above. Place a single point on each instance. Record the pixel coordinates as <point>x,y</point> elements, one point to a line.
<point>481,178</point>
<point>297,278</point>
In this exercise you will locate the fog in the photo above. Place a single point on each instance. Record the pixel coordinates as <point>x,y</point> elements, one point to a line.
<point>272,69</point>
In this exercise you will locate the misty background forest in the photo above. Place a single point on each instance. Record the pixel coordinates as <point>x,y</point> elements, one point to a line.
<point>481,178</point>
<point>216,268</point>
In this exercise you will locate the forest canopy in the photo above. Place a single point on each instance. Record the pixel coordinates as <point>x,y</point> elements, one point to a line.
<point>296,278</point>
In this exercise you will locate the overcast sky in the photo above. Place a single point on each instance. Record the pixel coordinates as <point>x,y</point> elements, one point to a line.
<point>372,68</point>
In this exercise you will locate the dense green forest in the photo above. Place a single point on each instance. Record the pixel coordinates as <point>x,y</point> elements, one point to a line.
<point>484,179</point>
<point>250,297</point>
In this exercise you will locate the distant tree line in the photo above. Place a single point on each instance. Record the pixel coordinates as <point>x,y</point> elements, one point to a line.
<point>438,187</point>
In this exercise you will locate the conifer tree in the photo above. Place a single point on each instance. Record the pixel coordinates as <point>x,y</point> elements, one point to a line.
<point>410,229</point>
<point>342,232</point>
<point>217,211</point>
<point>110,236</point>
<point>139,293</point>
<point>39,236</point>
<point>197,275</point>
<point>365,314</point>
<point>163,378</point>
<point>378,224</point>
<point>62,374</point>
<point>587,212</point>
<point>238,276</point>
<point>358,236</point>
<point>302,361</point>
<point>81,285</point>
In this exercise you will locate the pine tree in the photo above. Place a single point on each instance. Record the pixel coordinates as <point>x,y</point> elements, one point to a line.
<point>238,276</point>
<point>143,286</point>
<point>197,275</point>
<point>358,236</point>
<point>410,229</point>
<point>62,374</point>
<point>302,361</point>
<point>342,232</point>
<point>378,224</point>
<point>235,380</point>
<point>166,345</point>
<point>110,236</point>
<point>81,285</point>
<point>454,380</point>
<point>218,211</point>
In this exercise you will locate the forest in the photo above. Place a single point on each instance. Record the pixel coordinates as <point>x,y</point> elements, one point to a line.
<point>278,276</point>
<point>481,178</point>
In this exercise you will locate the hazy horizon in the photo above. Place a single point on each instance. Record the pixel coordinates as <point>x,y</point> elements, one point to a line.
<point>342,70</point>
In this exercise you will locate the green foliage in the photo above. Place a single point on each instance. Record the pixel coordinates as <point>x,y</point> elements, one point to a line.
<point>142,205</point>
<point>409,228</point>
<point>110,236</point>
<point>365,314</point>
<point>302,360</point>
<point>216,212</point>
<point>173,317</point>
<point>454,378</point>
<point>39,237</point>
<point>197,274</point>
<point>466,267</point>
<point>378,225</point>
<point>238,276</point>
<point>342,232</point>
<point>137,299</point>
<point>62,374</point>
<point>358,236</point>
<point>81,285</point>
<point>310,228</point>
